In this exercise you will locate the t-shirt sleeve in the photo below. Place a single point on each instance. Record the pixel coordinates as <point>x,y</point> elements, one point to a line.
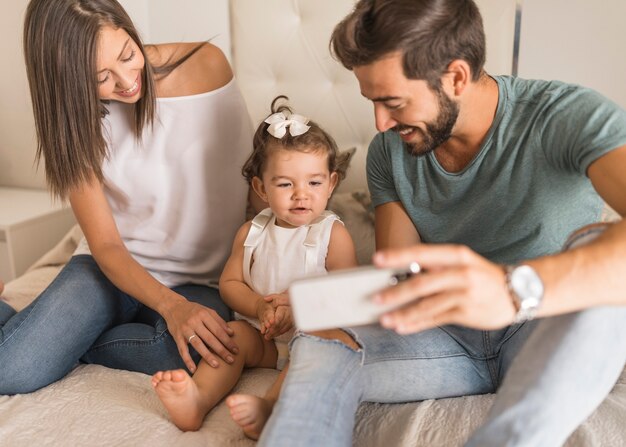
<point>581,127</point>
<point>380,172</point>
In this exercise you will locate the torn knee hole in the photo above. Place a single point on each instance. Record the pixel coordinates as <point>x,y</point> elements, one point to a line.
<point>338,335</point>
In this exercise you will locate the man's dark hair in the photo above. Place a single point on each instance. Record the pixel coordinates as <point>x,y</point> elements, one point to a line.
<point>428,33</point>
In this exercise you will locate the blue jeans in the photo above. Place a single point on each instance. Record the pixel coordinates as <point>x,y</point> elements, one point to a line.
<point>558,370</point>
<point>563,368</point>
<point>83,317</point>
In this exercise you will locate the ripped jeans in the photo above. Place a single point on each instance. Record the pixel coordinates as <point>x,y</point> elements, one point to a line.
<point>558,370</point>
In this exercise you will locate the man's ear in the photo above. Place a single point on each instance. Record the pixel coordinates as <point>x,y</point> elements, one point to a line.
<point>459,74</point>
<point>259,188</point>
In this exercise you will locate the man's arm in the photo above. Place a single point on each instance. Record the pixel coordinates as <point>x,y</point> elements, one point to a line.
<point>607,176</point>
<point>593,274</point>
<point>461,287</point>
<point>393,227</point>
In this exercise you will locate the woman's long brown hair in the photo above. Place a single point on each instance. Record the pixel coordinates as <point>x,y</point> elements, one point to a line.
<point>60,49</point>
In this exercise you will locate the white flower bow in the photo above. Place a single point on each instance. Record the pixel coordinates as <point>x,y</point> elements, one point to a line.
<point>278,124</point>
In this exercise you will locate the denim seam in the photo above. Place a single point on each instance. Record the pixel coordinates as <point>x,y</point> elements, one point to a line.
<point>462,346</point>
<point>396,359</point>
<point>61,274</point>
<point>128,342</point>
<point>508,337</point>
<point>334,410</point>
<point>331,415</point>
<point>491,362</point>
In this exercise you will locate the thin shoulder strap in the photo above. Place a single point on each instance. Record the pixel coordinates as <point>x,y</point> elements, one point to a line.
<point>313,239</point>
<point>259,223</point>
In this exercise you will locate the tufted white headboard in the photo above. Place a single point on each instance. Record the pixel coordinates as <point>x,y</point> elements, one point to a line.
<point>281,47</point>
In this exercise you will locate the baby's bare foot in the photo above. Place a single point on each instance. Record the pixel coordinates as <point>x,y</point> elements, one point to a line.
<point>250,413</point>
<point>181,398</point>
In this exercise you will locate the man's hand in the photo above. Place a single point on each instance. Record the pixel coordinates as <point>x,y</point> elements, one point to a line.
<point>193,324</point>
<point>456,286</point>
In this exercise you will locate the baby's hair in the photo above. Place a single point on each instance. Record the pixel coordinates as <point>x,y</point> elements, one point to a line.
<point>315,139</point>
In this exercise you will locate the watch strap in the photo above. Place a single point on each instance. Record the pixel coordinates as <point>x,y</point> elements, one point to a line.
<point>525,309</point>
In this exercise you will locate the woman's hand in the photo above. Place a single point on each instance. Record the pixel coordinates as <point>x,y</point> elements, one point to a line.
<point>456,286</point>
<point>192,324</point>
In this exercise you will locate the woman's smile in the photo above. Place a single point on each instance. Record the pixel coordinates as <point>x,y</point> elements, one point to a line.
<point>135,88</point>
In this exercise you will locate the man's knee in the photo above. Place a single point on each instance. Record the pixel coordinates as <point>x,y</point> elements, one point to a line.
<point>339,335</point>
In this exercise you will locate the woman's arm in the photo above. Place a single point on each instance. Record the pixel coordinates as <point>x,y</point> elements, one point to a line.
<point>183,318</point>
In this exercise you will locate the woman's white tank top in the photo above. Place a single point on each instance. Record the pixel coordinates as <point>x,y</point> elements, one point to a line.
<point>178,198</point>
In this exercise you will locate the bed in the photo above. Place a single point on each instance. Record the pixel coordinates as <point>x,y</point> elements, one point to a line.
<point>96,406</point>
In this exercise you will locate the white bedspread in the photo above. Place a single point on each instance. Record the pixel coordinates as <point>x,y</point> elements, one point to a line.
<point>96,406</point>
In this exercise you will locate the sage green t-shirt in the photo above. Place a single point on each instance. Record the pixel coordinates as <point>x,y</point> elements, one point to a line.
<point>526,190</point>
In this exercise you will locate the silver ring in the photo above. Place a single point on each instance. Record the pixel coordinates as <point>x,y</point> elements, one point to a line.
<point>191,337</point>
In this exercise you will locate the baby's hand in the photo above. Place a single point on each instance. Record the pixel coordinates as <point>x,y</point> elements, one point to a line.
<point>266,314</point>
<point>284,321</point>
<point>278,299</point>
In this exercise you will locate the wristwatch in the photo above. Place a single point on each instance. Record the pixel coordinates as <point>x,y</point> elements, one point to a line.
<point>526,289</point>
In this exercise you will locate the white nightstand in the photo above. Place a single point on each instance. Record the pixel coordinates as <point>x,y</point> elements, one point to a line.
<point>30,225</point>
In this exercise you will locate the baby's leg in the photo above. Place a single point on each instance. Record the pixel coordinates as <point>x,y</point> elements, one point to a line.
<point>188,400</point>
<point>252,412</point>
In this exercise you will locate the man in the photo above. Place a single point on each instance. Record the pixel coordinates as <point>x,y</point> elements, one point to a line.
<point>497,171</point>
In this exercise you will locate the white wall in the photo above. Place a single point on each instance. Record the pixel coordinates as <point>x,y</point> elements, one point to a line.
<point>162,21</point>
<point>17,135</point>
<point>578,41</point>
<point>158,21</point>
<point>574,40</point>
<point>499,22</point>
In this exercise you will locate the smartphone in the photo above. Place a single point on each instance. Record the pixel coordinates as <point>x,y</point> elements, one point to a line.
<point>343,298</point>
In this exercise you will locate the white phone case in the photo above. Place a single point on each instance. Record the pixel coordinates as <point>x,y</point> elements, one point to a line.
<point>342,298</point>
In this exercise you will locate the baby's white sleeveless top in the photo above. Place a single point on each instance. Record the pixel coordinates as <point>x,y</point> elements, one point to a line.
<point>274,256</point>
<point>178,198</point>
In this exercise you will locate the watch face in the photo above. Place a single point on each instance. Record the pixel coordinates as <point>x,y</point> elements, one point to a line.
<point>527,285</point>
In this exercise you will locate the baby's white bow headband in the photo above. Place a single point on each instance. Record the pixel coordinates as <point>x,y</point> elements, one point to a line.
<point>278,124</point>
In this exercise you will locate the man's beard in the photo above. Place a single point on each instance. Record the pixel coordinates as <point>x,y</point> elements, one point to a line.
<point>437,132</point>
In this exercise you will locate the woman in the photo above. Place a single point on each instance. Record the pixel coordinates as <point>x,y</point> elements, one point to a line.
<point>147,144</point>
